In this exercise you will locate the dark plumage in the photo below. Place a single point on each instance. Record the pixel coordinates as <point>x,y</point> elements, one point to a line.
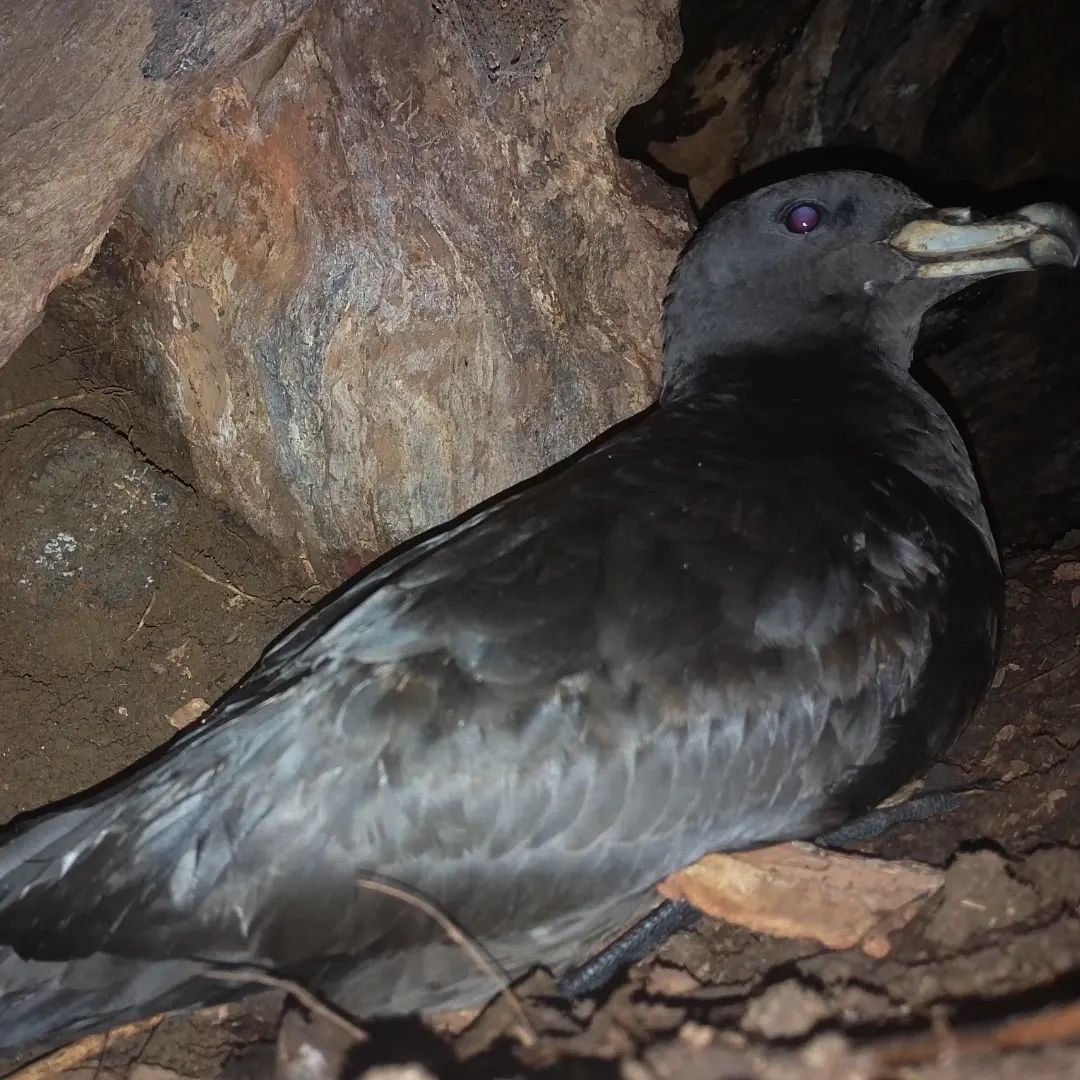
<point>745,616</point>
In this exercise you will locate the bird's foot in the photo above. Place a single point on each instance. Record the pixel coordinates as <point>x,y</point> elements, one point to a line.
<point>918,808</point>
<point>672,916</point>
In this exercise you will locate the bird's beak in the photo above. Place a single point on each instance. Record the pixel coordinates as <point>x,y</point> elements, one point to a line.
<point>952,243</point>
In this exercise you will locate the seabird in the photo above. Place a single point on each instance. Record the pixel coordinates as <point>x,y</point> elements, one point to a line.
<point>745,616</point>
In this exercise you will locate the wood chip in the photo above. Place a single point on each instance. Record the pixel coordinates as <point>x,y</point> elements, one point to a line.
<point>188,713</point>
<point>453,1023</point>
<point>803,891</point>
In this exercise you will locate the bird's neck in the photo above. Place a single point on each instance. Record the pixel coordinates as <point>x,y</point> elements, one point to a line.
<point>839,356</point>
<point>697,336</point>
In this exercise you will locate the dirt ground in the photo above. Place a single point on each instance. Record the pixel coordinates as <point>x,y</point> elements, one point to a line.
<point>124,596</point>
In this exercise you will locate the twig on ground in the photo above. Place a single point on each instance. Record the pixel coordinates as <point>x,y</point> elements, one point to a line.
<point>142,618</point>
<point>217,581</point>
<point>306,998</point>
<point>468,944</point>
<point>1056,1025</point>
<point>1045,680</point>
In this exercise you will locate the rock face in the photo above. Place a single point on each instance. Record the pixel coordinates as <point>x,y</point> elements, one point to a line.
<point>85,91</point>
<point>393,264</point>
<point>973,93</point>
<point>367,263</point>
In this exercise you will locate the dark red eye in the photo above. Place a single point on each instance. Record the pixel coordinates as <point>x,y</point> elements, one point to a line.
<point>802,219</point>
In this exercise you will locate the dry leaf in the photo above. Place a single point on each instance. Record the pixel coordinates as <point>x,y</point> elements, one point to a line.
<point>803,891</point>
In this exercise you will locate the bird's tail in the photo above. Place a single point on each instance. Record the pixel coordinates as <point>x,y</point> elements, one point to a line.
<point>50,1002</point>
<point>63,971</point>
<point>104,917</point>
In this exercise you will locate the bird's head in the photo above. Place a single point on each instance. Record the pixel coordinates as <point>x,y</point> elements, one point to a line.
<point>839,255</point>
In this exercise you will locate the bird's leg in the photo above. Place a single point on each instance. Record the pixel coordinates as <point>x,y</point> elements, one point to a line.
<point>649,933</point>
<point>883,818</point>
<point>672,916</point>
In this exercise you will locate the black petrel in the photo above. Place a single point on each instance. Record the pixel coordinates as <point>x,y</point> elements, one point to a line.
<point>745,616</point>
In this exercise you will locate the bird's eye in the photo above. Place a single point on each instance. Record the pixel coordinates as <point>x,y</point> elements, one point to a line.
<point>803,218</point>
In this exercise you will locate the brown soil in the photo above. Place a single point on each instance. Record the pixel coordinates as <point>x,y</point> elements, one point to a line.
<point>124,595</point>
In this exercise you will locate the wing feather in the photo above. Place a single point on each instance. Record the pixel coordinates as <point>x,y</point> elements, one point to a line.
<point>558,699</point>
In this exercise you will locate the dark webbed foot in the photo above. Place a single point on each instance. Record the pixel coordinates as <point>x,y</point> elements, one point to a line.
<point>672,916</point>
